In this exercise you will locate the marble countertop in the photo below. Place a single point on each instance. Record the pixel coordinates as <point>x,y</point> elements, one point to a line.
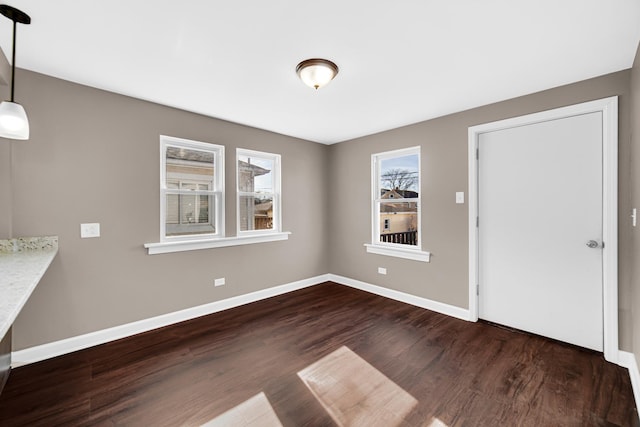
<point>23,262</point>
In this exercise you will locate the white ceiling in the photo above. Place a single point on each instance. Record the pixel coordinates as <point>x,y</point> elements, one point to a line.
<point>400,62</point>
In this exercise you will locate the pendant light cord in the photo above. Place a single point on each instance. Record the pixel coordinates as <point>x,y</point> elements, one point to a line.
<point>13,61</point>
<point>17,16</point>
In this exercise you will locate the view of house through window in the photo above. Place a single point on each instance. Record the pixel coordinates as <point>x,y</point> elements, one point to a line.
<point>258,191</point>
<point>396,197</point>
<point>190,188</point>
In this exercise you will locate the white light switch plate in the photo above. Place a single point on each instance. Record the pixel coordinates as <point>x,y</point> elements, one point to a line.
<point>460,197</point>
<point>90,230</point>
<point>382,270</point>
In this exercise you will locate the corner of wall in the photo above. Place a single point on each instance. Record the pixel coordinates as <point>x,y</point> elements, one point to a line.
<point>5,69</point>
<point>331,219</point>
<point>634,195</point>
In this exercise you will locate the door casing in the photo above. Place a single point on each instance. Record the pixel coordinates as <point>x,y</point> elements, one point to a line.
<point>609,109</point>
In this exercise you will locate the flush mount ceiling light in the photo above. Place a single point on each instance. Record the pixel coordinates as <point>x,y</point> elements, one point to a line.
<point>13,119</point>
<point>316,72</point>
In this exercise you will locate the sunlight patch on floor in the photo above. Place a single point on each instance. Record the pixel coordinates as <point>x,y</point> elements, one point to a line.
<point>355,393</point>
<point>254,412</point>
<point>436,423</point>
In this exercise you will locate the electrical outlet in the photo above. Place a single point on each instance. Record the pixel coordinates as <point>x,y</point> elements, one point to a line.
<point>382,270</point>
<point>90,230</point>
<point>218,282</point>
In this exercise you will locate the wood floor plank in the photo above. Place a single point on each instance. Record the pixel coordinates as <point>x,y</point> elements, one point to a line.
<point>459,373</point>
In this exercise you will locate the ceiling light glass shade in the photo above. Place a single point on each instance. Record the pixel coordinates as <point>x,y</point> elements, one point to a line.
<point>316,73</point>
<point>13,121</point>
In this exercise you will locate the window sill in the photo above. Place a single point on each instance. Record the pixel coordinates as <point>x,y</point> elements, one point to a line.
<point>222,242</point>
<point>412,254</point>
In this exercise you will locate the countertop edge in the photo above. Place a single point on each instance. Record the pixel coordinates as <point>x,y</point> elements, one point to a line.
<point>38,261</point>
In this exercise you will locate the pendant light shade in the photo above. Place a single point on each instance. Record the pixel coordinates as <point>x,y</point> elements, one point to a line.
<point>13,119</point>
<point>316,72</point>
<point>14,123</point>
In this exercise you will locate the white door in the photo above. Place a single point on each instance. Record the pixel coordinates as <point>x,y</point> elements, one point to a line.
<point>540,210</point>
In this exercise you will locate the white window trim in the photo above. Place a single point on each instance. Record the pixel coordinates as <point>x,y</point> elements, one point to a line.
<point>277,190</point>
<point>218,192</point>
<point>221,242</point>
<point>391,249</point>
<point>412,254</point>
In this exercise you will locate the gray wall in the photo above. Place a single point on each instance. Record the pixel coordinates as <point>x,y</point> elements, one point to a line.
<point>635,199</point>
<point>5,190</point>
<point>5,158</point>
<point>443,144</point>
<point>94,156</point>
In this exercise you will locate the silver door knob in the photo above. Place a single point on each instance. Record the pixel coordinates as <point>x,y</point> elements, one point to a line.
<point>592,244</point>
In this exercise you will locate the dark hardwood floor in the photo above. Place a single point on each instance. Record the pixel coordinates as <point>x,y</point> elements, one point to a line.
<point>454,373</point>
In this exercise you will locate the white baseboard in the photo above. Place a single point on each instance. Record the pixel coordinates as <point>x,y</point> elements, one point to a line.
<point>69,345</point>
<point>439,307</point>
<point>80,342</point>
<point>628,360</point>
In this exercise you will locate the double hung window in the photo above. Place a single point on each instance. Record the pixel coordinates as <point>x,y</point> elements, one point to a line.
<point>395,204</point>
<point>191,189</point>
<point>258,193</point>
<point>192,194</point>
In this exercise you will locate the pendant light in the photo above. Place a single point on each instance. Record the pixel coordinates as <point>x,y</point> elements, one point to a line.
<point>13,119</point>
<point>316,72</point>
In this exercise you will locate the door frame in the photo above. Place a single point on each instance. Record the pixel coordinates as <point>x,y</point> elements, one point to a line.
<point>609,109</point>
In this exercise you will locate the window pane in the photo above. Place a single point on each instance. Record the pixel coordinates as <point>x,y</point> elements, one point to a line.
<point>255,174</point>
<point>173,209</point>
<point>188,214</point>
<point>399,223</point>
<point>399,177</point>
<point>203,210</point>
<point>184,164</point>
<point>256,213</point>
<point>187,209</point>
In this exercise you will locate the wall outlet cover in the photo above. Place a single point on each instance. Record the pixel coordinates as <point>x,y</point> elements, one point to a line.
<point>89,230</point>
